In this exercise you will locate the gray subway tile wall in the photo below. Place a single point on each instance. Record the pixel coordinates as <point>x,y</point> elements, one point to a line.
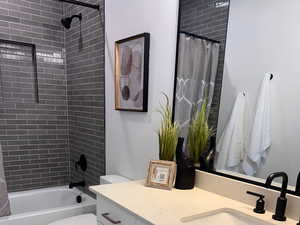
<point>34,137</point>
<point>208,18</point>
<point>41,142</point>
<point>85,81</point>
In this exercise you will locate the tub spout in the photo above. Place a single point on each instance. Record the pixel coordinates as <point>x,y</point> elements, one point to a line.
<point>77,184</point>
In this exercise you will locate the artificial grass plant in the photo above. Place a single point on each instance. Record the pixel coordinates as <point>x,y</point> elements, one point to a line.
<point>168,132</point>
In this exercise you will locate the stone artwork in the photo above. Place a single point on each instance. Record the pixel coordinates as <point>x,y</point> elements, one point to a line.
<point>131,73</point>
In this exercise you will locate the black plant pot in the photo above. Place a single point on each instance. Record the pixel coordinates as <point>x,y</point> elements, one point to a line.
<point>185,178</point>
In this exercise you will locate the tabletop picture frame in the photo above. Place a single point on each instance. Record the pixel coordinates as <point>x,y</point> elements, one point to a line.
<point>161,174</point>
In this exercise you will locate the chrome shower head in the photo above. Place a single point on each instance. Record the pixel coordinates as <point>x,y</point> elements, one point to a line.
<point>66,22</point>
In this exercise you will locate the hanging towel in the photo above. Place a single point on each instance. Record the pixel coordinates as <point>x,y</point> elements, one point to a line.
<point>4,202</point>
<point>260,135</point>
<point>230,147</point>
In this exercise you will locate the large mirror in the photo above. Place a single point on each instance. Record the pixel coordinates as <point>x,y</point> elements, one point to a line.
<point>241,58</point>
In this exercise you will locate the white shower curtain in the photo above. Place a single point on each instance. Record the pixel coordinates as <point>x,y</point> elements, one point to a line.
<point>4,202</point>
<point>196,73</point>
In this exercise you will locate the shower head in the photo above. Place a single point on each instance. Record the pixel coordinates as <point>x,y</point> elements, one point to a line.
<point>66,22</point>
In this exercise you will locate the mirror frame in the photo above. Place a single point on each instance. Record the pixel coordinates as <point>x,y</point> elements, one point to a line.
<point>249,181</point>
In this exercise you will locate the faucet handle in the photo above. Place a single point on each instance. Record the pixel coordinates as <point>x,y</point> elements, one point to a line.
<point>260,203</point>
<point>82,163</point>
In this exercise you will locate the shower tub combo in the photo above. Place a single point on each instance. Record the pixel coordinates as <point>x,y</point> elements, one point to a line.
<point>43,206</point>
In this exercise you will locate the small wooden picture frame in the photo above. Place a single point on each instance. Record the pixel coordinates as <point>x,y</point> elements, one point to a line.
<point>161,174</point>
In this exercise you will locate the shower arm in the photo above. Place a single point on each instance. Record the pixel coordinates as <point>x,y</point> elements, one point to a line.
<point>77,16</point>
<point>75,2</point>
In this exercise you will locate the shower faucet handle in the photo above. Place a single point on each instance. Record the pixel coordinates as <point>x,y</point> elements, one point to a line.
<point>82,163</point>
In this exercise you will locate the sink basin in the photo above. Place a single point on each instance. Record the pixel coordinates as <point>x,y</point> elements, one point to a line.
<point>223,216</point>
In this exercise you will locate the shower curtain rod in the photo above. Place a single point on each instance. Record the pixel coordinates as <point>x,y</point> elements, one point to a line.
<point>200,37</point>
<point>75,2</point>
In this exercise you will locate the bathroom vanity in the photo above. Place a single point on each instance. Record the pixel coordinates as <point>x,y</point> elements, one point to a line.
<point>109,211</point>
<point>133,203</point>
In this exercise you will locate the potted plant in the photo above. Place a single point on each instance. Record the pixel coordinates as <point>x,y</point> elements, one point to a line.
<point>199,135</point>
<point>168,133</point>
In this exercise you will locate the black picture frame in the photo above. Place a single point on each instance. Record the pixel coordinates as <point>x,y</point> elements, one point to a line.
<point>229,176</point>
<point>145,72</point>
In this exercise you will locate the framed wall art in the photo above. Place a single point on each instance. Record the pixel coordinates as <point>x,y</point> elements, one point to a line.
<point>131,73</point>
<point>161,174</point>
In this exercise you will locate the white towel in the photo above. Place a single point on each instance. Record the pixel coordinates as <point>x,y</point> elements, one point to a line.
<point>4,202</point>
<point>260,135</point>
<point>230,147</point>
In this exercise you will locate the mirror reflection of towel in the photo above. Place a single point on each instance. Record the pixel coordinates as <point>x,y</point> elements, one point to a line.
<point>4,202</point>
<point>260,139</point>
<point>230,147</point>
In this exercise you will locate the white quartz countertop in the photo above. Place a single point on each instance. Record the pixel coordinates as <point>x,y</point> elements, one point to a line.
<point>162,207</point>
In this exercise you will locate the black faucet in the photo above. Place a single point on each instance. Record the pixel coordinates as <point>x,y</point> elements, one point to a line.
<point>78,184</point>
<point>282,200</point>
<point>297,190</point>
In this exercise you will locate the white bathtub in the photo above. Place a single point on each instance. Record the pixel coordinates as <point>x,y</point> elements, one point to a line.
<point>42,206</point>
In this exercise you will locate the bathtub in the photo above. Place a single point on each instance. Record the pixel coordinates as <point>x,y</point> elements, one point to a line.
<point>43,206</point>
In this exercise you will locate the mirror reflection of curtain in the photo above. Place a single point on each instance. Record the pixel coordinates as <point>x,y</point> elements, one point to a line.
<point>4,202</point>
<point>196,73</point>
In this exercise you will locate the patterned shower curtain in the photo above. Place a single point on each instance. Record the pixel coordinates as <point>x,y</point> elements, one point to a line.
<point>196,73</point>
<point>4,202</point>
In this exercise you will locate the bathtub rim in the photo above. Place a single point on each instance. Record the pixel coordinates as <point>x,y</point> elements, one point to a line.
<point>90,201</point>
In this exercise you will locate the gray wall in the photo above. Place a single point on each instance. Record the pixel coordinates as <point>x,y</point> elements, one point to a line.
<point>85,77</point>
<point>34,137</point>
<point>202,17</point>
